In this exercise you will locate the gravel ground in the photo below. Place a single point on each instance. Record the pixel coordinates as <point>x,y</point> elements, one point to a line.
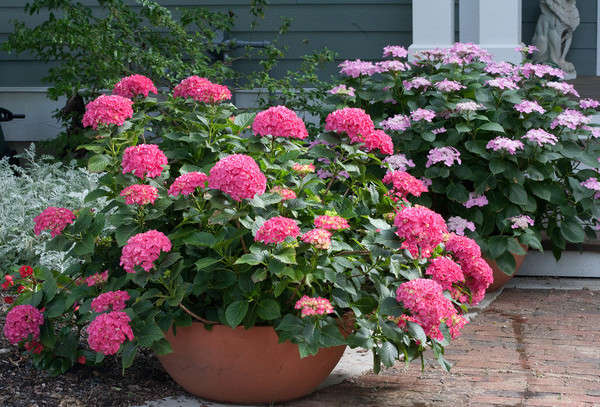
<point>21,385</point>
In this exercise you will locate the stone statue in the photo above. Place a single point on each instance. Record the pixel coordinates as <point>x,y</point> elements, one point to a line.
<point>554,33</point>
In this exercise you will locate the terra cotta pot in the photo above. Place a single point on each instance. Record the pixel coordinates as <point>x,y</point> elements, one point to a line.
<point>500,277</point>
<point>241,365</point>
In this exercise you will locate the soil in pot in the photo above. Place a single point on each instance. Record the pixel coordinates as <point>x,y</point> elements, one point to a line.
<point>244,365</point>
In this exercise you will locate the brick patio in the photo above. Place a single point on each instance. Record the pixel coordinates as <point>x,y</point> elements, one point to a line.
<point>529,348</point>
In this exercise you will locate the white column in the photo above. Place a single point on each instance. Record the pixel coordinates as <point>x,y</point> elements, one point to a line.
<point>500,28</point>
<point>432,24</point>
<point>468,21</point>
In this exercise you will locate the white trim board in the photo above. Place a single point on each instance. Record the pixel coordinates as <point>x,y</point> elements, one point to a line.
<point>571,264</point>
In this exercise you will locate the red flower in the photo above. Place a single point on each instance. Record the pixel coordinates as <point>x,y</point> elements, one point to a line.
<point>8,300</point>
<point>20,289</point>
<point>25,271</point>
<point>81,360</point>
<point>8,282</point>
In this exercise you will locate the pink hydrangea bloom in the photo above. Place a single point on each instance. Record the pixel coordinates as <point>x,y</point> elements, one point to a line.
<point>284,193</point>
<point>143,249</point>
<point>201,90</point>
<point>591,183</point>
<point>21,322</point>
<point>478,277</point>
<point>440,130</point>
<point>506,144</point>
<point>352,121</point>
<point>279,121</point>
<point>422,114</point>
<point>403,184</point>
<point>139,194</point>
<point>563,87</point>
<point>595,131</point>
<point>342,90</point>
<point>416,83</point>
<point>458,225</point>
<point>53,219</point>
<point>588,103</point>
<point>357,68</point>
<point>238,176</point>
<point>527,49</point>
<point>329,222</point>
<point>319,238</point>
<point>426,181</point>
<point>395,51</point>
<point>464,249</point>
<point>570,118</point>
<point>500,68</point>
<point>528,69</point>
<point>97,278</point>
<point>144,160</point>
<point>447,155</point>
<point>521,222</point>
<point>425,300</point>
<point>109,331</point>
<point>114,299</point>
<point>421,229</point>
<point>313,306</point>
<point>502,83</point>
<point>276,229</point>
<point>186,184</point>
<point>303,169</point>
<point>378,140</point>
<point>540,137</point>
<point>398,162</point>
<point>468,107</point>
<point>391,66</point>
<point>399,122</point>
<point>107,110</point>
<point>449,86</point>
<point>134,85</point>
<point>528,106</point>
<point>445,271</point>
<point>476,200</point>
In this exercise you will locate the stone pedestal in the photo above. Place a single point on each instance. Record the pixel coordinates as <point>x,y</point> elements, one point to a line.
<point>432,25</point>
<point>500,28</point>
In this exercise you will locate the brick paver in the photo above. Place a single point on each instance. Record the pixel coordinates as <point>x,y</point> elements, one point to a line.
<point>529,348</point>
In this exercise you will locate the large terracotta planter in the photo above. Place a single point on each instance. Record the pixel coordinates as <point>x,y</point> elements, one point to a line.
<point>244,365</point>
<point>500,277</point>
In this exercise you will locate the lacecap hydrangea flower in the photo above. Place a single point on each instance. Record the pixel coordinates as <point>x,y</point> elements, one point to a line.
<point>276,230</point>
<point>134,85</point>
<point>109,331</point>
<point>446,155</point>
<point>187,183</point>
<point>521,222</point>
<point>458,225</point>
<point>529,106</point>
<point>114,299</point>
<point>139,194</point>
<point>421,229</point>
<point>449,86</point>
<point>395,51</point>
<point>144,160</point>
<point>540,137</point>
<point>357,68</point>
<point>143,249</point>
<point>399,162</point>
<point>342,90</point>
<point>201,90</point>
<point>504,144</point>
<point>398,122</point>
<point>107,110</point>
<point>23,322</point>
<point>476,200</point>
<point>279,121</point>
<point>313,306</point>
<point>238,176</point>
<point>53,219</point>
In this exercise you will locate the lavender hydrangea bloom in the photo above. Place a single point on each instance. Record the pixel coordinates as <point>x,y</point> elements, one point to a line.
<point>458,225</point>
<point>395,51</point>
<point>521,222</point>
<point>503,143</point>
<point>399,122</point>
<point>476,200</point>
<point>447,155</point>
<point>540,137</point>
<point>398,162</point>
<point>570,118</point>
<point>528,106</point>
<point>422,114</point>
<point>357,68</point>
<point>342,90</point>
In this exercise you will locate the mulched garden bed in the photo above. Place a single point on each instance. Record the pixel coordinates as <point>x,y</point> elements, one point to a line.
<point>23,385</point>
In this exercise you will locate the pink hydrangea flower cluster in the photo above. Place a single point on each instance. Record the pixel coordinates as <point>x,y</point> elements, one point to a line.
<point>399,162</point>
<point>570,118</point>
<point>109,331</point>
<point>21,322</point>
<point>468,106</point>
<point>284,193</point>
<point>53,219</point>
<point>421,229</point>
<point>440,130</point>
<point>449,86</point>
<point>446,155</point>
<point>342,90</point>
<point>139,194</point>
<point>395,51</point>
<point>97,278</point>
<point>502,83</point>
<point>445,271</point>
<point>134,85</point>
<point>352,121</point>
<point>378,140</point>
<point>143,249</point>
<point>416,83</point>
<point>591,183</point>
<point>527,49</point>
<point>107,110</point>
<point>588,103</point>
<point>505,144</point>
<point>595,131</point>
<point>144,160</point>
<point>425,300</point>
<point>422,114</point>
<point>392,66</point>
<point>528,106</point>
<point>458,225</point>
<point>239,176</point>
<point>563,87</point>
<point>476,200</point>
<point>313,306</point>
<point>114,299</point>
<point>276,229</point>
<point>399,122</point>
<point>186,184</point>
<point>201,90</point>
<point>528,69</point>
<point>357,68</point>
<point>540,137</point>
<point>521,222</point>
<point>279,121</point>
<point>319,238</point>
<point>403,184</point>
<point>303,169</point>
<point>329,222</point>
<point>500,68</point>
